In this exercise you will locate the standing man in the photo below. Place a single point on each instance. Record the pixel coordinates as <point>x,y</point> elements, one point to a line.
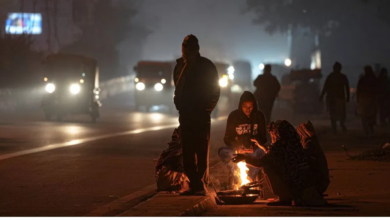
<point>337,93</point>
<point>196,95</point>
<point>267,90</point>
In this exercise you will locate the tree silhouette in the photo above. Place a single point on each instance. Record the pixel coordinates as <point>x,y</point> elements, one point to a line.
<point>108,26</point>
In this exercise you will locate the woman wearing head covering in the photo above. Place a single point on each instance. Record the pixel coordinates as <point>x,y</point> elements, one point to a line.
<point>286,168</point>
<point>316,156</point>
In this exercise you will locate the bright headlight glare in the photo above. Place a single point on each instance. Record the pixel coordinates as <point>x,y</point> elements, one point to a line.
<point>140,86</point>
<point>158,87</point>
<point>50,88</point>
<point>261,66</point>
<point>223,82</point>
<point>287,62</point>
<point>231,70</point>
<point>75,88</point>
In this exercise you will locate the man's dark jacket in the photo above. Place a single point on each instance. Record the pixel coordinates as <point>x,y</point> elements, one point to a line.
<point>201,90</point>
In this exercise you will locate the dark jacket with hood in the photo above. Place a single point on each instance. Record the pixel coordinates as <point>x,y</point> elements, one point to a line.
<point>200,89</point>
<point>239,127</point>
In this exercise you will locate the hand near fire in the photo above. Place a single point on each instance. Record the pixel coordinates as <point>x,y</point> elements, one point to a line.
<point>238,158</point>
<point>259,145</point>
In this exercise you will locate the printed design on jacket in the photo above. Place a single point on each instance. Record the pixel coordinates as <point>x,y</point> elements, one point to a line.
<point>246,129</point>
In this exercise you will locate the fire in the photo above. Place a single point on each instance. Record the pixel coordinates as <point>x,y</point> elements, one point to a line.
<point>243,173</point>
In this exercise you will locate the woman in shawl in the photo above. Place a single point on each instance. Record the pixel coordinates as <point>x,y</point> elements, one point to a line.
<point>286,168</point>
<point>317,159</point>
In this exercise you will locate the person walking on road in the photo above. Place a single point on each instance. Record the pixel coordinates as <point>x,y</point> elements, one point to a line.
<point>367,98</point>
<point>267,90</point>
<point>337,93</point>
<point>196,95</point>
<point>384,97</point>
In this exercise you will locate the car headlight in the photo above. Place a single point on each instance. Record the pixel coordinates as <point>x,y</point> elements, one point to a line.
<point>158,87</point>
<point>224,81</point>
<point>140,86</point>
<point>50,88</point>
<point>75,89</point>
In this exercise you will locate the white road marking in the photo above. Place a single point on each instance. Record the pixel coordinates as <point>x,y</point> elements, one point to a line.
<point>85,140</point>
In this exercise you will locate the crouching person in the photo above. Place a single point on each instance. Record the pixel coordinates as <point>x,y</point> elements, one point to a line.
<point>170,174</point>
<point>317,159</point>
<point>245,134</point>
<point>286,168</point>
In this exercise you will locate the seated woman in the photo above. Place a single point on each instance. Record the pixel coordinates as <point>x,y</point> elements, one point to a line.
<point>317,159</point>
<point>170,174</point>
<point>286,168</point>
<point>245,133</point>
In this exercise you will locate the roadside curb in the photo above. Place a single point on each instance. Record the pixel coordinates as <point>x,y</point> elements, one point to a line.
<point>165,204</point>
<point>197,210</point>
<point>125,203</point>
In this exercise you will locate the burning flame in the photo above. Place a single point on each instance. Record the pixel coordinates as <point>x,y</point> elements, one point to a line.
<point>243,173</point>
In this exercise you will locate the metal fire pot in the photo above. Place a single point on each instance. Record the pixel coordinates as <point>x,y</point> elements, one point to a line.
<point>244,195</point>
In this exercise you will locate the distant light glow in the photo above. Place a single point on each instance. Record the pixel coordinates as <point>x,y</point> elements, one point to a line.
<point>224,81</point>
<point>75,89</point>
<point>163,81</point>
<point>23,23</point>
<point>261,66</point>
<point>236,89</point>
<point>73,130</point>
<point>136,80</point>
<point>50,88</point>
<point>81,81</point>
<point>140,86</point>
<point>287,62</point>
<point>74,142</point>
<point>158,87</point>
<point>45,79</point>
<point>157,117</point>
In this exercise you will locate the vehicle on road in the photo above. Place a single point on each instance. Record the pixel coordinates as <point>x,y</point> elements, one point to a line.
<point>154,84</point>
<point>226,80</point>
<point>71,86</point>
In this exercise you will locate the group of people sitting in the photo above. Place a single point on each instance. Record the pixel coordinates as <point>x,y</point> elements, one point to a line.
<point>293,165</point>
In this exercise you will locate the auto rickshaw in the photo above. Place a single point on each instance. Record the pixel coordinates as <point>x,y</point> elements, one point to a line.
<point>154,84</point>
<point>71,86</point>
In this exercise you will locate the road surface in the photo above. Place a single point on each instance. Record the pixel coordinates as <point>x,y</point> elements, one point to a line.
<point>74,167</point>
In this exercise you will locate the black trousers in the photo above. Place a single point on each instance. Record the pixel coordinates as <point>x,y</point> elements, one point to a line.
<point>195,136</point>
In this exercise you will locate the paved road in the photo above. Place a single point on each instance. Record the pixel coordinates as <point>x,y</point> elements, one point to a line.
<point>74,167</point>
